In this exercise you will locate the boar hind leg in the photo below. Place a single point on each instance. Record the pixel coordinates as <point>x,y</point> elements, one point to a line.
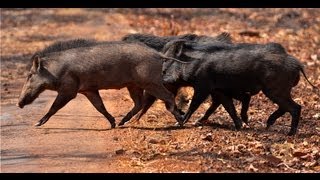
<point>61,100</point>
<point>95,99</point>
<point>174,90</point>
<point>148,100</point>
<point>295,111</point>
<point>286,104</point>
<point>162,93</point>
<point>274,116</point>
<point>199,96</point>
<point>229,107</point>
<point>136,94</point>
<point>245,101</point>
<point>215,104</point>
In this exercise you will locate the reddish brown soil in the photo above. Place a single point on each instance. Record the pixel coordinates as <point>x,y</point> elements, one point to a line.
<point>79,139</point>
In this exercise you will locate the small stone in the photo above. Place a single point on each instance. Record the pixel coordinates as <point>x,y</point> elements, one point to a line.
<point>153,141</point>
<point>314,57</point>
<point>207,137</point>
<point>317,116</point>
<point>120,151</point>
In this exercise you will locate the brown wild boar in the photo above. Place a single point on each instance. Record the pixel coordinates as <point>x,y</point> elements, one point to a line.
<point>85,67</point>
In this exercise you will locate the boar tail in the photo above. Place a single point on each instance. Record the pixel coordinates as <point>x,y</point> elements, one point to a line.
<point>174,59</point>
<point>304,74</point>
<point>296,63</point>
<point>314,88</point>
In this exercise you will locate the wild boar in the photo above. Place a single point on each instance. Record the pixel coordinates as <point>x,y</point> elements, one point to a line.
<point>81,66</point>
<point>231,69</point>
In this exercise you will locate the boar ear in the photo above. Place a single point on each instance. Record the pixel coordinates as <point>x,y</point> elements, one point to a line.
<point>179,48</point>
<point>178,45</point>
<point>37,63</point>
<point>174,48</point>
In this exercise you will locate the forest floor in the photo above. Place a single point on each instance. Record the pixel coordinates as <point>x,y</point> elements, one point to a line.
<point>79,139</point>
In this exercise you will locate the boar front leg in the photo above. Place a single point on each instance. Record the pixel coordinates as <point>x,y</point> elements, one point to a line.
<point>61,100</point>
<point>95,99</point>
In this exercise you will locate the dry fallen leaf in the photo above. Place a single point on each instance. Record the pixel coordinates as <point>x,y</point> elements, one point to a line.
<point>309,164</point>
<point>273,160</point>
<point>299,154</point>
<point>252,168</point>
<point>207,137</point>
<point>317,116</point>
<point>120,151</point>
<point>153,141</point>
<point>317,168</point>
<point>314,57</point>
<point>241,147</point>
<point>137,162</point>
<point>250,159</point>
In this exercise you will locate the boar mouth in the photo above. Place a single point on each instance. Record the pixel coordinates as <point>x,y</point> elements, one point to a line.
<point>23,102</point>
<point>29,99</point>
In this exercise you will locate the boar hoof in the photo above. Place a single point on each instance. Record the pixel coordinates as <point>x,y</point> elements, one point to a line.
<point>246,121</point>
<point>38,124</point>
<point>268,126</point>
<point>198,123</point>
<point>292,132</point>
<point>238,126</point>
<point>181,112</point>
<point>180,124</point>
<point>202,122</point>
<point>113,125</point>
<point>120,124</point>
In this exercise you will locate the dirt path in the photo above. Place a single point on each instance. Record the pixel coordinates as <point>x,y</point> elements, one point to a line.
<point>76,139</point>
<point>79,139</point>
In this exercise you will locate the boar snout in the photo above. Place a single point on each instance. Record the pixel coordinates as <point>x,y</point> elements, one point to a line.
<point>21,103</point>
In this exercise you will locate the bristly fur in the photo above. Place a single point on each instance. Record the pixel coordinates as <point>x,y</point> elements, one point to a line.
<point>65,45</point>
<point>223,37</point>
<point>214,46</point>
<point>158,42</point>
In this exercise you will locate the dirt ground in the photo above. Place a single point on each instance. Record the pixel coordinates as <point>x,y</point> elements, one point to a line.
<point>79,139</point>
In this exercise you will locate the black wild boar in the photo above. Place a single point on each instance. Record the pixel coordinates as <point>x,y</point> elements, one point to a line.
<point>158,43</point>
<point>82,66</point>
<point>236,69</point>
